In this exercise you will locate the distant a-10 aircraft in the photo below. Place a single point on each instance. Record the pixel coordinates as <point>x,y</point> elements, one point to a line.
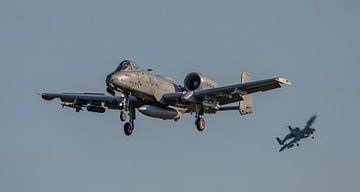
<point>297,135</point>
<point>157,96</point>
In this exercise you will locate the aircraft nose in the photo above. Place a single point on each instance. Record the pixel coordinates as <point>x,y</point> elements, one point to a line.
<point>109,79</point>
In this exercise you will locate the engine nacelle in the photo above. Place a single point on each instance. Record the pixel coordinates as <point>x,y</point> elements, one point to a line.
<point>160,112</point>
<point>198,81</point>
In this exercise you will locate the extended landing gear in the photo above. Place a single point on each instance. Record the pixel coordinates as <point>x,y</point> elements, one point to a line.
<point>128,126</point>
<point>122,116</point>
<point>200,124</point>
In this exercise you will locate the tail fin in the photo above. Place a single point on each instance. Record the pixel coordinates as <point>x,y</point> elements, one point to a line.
<point>246,105</point>
<point>290,128</point>
<point>279,141</point>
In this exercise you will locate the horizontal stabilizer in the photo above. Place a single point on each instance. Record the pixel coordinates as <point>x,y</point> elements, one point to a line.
<point>279,141</point>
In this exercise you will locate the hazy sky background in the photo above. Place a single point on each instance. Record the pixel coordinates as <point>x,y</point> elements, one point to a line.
<point>57,46</point>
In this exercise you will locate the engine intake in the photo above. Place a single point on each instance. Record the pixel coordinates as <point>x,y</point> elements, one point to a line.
<point>198,81</point>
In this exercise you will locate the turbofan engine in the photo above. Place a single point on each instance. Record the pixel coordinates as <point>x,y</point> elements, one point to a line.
<point>198,81</point>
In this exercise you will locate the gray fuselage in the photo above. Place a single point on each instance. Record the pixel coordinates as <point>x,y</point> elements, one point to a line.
<point>142,84</point>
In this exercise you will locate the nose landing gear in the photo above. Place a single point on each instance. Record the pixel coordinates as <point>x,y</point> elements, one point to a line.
<point>128,126</point>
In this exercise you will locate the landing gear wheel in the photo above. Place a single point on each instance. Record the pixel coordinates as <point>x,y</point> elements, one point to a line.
<point>200,124</point>
<point>128,129</point>
<point>122,116</point>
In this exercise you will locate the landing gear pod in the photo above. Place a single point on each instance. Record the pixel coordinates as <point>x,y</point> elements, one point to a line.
<point>160,112</point>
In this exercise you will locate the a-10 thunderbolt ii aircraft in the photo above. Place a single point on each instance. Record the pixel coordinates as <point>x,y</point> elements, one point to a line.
<point>157,96</point>
<point>297,135</point>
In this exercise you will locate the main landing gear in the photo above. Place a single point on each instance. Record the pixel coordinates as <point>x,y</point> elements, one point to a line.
<point>199,122</point>
<point>122,116</point>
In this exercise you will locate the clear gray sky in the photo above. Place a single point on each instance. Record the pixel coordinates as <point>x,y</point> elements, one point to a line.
<point>57,46</point>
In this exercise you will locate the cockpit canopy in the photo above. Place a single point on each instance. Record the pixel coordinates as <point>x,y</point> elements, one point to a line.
<point>127,65</point>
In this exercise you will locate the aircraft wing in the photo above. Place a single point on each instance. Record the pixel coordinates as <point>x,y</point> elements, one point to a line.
<point>78,100</point>
<point>233,93</point>
<point>289,145</point>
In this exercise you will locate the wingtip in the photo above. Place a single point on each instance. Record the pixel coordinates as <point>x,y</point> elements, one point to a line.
<point>283,80</point>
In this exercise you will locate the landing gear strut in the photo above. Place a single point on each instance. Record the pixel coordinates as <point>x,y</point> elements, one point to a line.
<point>199,122</point>
<point>129,126</point>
